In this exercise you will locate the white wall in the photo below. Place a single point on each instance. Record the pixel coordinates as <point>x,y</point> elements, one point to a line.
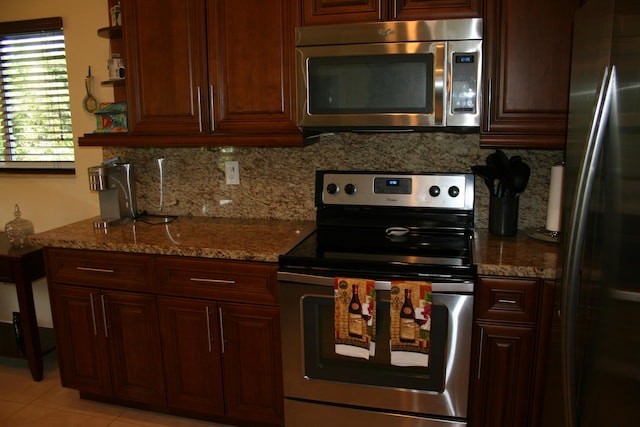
<point>50,201</point>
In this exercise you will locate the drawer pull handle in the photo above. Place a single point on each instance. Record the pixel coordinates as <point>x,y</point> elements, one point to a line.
<point>221,281</point>
<point>95,270</point>
<point>209,327</point>
<point>507,301</point>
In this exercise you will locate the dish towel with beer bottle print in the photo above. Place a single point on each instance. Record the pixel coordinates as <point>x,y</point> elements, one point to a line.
<point>355,312</point>
<point>410,323</point>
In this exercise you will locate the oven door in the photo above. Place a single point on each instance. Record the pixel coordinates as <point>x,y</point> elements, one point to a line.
<point>315,375</point>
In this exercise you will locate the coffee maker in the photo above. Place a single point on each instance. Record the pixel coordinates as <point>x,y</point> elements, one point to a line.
<point>116,188</point>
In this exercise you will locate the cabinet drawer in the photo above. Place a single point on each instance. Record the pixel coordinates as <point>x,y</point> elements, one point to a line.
<point>508,299</point>
<point>221,280</point>
<point>101,269</point>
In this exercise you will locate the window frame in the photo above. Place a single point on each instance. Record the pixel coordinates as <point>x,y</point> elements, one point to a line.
<point>35,167</point>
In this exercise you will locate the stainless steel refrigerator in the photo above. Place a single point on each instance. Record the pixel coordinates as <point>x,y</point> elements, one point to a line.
<point>594,369</point>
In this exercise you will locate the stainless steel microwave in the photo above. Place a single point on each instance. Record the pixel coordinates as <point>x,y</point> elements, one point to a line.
<point>401,75</point>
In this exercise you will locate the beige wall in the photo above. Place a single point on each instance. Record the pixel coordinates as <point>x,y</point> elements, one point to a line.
<point>51,201</point>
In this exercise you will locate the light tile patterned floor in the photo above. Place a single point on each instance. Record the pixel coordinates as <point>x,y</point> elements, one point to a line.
<point>26,403</point>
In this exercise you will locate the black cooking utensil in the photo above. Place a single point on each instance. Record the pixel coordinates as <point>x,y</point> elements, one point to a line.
<point>520,173</point>
<point>488,174</point>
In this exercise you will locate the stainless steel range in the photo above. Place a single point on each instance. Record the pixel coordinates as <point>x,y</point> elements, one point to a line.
<point>386,229</point>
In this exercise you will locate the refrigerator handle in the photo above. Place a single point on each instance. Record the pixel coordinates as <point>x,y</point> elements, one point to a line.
<point>576,241</point>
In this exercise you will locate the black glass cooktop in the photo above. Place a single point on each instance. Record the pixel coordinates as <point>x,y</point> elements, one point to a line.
<point>378,250</point>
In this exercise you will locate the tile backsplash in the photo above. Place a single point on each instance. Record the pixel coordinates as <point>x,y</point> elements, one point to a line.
<point>279,182</point>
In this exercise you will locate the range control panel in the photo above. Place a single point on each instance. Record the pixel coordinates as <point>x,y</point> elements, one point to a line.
<point>426,190</point>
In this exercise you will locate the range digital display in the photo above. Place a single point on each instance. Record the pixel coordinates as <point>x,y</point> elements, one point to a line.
<point>385,185</point>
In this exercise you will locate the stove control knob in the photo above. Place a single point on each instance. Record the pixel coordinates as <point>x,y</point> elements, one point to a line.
<point>454,191</point>
<point>434,191</point>
<point>349,188</point>
<point>332,188</point>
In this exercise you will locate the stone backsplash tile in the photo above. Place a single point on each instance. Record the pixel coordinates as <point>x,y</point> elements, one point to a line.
<point>279,183</point>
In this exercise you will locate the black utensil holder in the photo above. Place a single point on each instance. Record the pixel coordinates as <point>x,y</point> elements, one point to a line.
<point>503,216</point>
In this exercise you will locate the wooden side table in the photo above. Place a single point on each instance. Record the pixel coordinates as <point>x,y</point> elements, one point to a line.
<point>21,266</point>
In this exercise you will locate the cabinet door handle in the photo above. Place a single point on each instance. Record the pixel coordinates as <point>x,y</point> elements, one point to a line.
<point>507,301</point>
<point>209,328</point>
<point>221,329</point>
<point>199,109</point>
<point>93,315</point>
<point>480,355</point>
<point>96,270</point>
<point>220,281</point>
<point>394,12</point>
<point>104,317</point>
<point>489,100</point>
<point>213,112</point>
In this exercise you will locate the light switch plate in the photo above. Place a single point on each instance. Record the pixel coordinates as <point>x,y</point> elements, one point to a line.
<point>232,172</point>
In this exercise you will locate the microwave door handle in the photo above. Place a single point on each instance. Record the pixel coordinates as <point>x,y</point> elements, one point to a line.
<point>439,80</point>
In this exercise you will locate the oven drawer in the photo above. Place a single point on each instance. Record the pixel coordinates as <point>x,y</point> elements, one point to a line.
<point>100,269</point>
<point>221,280</point>
<point>508,299</point>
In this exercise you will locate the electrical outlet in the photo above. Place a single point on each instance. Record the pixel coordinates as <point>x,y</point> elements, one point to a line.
<point>232,172</point>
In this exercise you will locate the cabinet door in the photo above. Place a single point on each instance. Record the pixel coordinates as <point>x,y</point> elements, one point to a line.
<point>134,344</point>
<point>503,380</point>
<point>82,352</point>
<point>526,74</point>
<point>252,361</point>
<point>318,12</point>
<point>166,71</point>
<point>436,9</point>
<point>191,352</point>
<point>251,46</point>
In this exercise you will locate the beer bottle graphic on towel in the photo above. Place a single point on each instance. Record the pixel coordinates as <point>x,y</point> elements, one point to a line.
<point>407,322</point>
<point>356,322</point>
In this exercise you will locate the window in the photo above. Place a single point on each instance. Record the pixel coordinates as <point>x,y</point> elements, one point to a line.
<point>35,117</point>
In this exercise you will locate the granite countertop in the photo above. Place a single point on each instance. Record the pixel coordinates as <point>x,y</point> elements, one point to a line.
<point>264,240</point>
<point>225,238</point>
<point>520,256</point>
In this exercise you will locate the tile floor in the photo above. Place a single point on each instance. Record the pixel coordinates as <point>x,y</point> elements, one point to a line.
<point>26,403</point>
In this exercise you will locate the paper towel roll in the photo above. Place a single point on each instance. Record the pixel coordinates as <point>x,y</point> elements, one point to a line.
<point>554,207</point>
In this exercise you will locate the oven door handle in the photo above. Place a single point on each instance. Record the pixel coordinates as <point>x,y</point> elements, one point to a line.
<point>460,286</point>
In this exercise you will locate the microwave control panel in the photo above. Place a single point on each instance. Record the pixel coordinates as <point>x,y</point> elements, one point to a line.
<point>464,83</point>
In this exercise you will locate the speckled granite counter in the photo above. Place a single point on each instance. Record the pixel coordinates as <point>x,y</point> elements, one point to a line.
<point>225,238</point>
<point>519,256</point>
<point>264,240</point>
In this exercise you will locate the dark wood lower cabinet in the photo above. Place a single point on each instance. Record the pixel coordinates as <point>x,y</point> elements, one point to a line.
<point>109,343</point>
<point>252,364</point>
<point>193,337</point>
<point>510,346</point>
<point>191,354</point>
<point>503,376</point>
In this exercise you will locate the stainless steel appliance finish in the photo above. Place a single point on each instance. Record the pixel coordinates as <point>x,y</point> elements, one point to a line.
<point>401,75</point>
<point>116,189</point>
<point>596,362</point>
<point>386,227</point>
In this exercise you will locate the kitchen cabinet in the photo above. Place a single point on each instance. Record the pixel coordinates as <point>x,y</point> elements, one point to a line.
<point>198,337</point>
<point>209,72</point>
<point>511,334</point>
<point>252,363</point>
<point>527,57</point>
<point>192,355</point>
<point>108,341</point>
<point>232,319</point>
<point>319,12</point>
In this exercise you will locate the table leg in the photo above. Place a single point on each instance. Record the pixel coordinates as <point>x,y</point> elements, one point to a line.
<point>24,289</point>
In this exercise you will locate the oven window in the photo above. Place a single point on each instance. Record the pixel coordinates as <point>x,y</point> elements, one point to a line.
<point>321,361</point>
<point>371,84</point>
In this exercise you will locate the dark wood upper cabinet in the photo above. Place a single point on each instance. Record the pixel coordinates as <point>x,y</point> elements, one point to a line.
<point>527,51</point>
<point>208,72</point>
<point>319,12</point>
